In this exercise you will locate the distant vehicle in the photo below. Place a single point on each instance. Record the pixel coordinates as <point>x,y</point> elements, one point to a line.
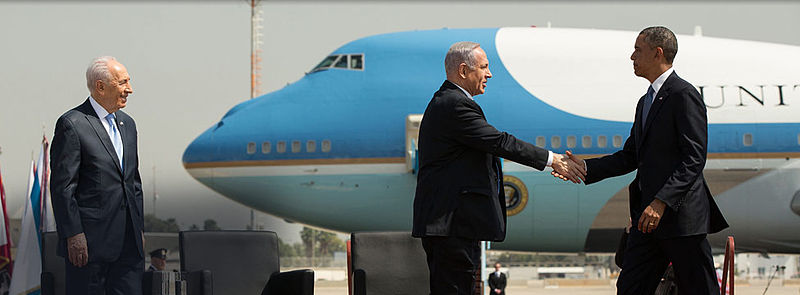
<point>337,149</point>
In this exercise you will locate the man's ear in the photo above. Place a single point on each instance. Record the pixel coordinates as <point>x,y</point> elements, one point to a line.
<point>462,70</point>
<point>99,85</point>
<point>660,52</point>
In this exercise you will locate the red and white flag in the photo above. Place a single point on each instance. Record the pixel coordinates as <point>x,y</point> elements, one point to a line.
<point>5,244</point>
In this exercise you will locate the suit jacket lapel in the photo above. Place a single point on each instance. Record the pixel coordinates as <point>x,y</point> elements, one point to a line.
<point>123,134</point>
<point>91,116</point>
<point>657,103</point>
<point>655,107</point>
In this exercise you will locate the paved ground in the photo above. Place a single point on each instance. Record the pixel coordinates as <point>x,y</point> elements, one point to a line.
<point>756,288</point>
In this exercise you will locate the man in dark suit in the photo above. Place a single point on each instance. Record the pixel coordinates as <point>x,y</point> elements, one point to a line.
<point>670,204</point>
<point>96,187</point>
<point>497,281</point>
<point>459,197</point>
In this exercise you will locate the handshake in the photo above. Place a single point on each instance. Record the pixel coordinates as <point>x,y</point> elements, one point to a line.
<point>568,167</point>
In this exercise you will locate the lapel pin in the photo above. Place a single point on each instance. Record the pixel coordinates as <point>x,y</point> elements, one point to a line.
<point>123,123</point>
<point>660,98</point>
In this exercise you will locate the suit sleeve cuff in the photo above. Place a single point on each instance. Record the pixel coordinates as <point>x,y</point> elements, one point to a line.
<point>549,158</point>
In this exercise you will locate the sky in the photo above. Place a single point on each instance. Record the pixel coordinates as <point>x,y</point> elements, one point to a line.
<point>189,64</point>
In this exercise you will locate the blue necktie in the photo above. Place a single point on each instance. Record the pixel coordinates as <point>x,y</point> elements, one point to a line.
<point>648,101</point>
<point>115,138</point>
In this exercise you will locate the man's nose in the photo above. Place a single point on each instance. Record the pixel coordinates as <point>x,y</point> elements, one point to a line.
<point>488,74</point>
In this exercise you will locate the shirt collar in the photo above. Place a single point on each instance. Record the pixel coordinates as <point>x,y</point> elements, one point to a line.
<point>462,89</point>
<point>100,110</point>
<point>660,80</point>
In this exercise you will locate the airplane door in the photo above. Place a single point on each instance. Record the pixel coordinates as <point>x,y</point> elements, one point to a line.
<point>555,217</point>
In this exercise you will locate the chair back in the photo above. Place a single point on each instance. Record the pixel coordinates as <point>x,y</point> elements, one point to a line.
<point>241,262</point>
<point>388,263</point>
<point>53,268</point>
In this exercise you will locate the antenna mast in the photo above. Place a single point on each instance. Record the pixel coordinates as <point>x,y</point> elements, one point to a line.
<point>255,48</point>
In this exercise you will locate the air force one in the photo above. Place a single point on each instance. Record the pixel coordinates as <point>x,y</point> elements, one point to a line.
<point>337,149</point>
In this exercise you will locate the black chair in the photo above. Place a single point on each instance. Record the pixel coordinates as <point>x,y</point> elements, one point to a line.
<point>53,268</point>
<point>240,262</point>
<point>388,263</point>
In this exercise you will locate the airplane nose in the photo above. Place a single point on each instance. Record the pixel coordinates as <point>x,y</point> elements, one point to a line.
<point>209,145</point>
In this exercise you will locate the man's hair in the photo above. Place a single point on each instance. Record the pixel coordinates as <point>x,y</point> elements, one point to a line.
<point>459,52</point>
<point>98,70</point>
<point>664,38</point>
<point>496,263</point>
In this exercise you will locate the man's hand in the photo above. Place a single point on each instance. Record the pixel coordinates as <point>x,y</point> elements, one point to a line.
<point>568,167</point>
<point>77,249</point>
<point>651,216</point>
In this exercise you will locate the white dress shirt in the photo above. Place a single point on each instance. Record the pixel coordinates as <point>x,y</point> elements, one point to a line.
<point>102,113</point>
<point>658,82</point>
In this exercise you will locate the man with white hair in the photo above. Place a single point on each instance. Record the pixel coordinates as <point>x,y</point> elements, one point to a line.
<point>96,187</point>
<point>459,197</point>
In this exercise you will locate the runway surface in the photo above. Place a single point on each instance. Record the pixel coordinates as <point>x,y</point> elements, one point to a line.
<point>755,288</point>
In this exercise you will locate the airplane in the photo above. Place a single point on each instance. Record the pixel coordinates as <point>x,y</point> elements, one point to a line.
<point>337,148</point>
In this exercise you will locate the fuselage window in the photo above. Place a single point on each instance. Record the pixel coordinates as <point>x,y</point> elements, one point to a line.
<point>555,142</point>
<point>295,146</point>
<point>602,141</point>
<point>326,63</point>
<point>540,141</point>
<point>311,146</point>
<point>586,141</point>
<point>747,140</point>
<point>357,62</point>
<point>251,148</point>
<point>571,141</point>
<point>341,63</point>
<point>266,147</point>
<point>326,146</point>
<point>281,147</point>
<point>617,141</point>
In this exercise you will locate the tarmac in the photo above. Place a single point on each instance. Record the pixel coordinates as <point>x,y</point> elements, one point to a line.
<point>752,288</point>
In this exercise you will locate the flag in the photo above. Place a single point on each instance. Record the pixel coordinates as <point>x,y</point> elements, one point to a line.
<point>28,265</point>
<point>5,244</point>
<point>48,221</point>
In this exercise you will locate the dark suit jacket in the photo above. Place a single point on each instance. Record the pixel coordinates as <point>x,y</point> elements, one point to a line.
<point>90,193</point>
<point>496,282</point>
<point>458,190</point>
<point>670,154</point>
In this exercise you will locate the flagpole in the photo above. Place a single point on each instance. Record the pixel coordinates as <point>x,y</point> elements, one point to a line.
<point>155,193</point>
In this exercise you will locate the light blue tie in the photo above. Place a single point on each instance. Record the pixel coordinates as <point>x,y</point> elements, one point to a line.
<point>115,138</point>
<point>648,101</point>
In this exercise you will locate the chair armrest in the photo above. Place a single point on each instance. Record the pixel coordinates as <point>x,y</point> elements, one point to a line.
<point>297,282</point>
<point>359,282</point>
<point>198,282</point>
<point>48,283</point>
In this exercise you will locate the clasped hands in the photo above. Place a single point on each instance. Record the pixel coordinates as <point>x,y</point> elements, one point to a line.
<point>568,167</point>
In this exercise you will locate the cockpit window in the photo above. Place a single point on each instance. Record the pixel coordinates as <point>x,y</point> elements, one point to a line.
<point>341,61</point>
<point>326,63</point>
<point>356,62</point>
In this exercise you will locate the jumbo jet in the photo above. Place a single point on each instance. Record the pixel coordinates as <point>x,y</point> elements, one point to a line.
<point>337,148</point>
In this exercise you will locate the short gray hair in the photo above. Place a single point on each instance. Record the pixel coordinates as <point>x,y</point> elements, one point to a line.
<point>664,38</point>
<point>98,70</point>
<point>459,52</point>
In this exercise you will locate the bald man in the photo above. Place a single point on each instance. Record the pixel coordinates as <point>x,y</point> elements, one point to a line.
<point>96,187</point>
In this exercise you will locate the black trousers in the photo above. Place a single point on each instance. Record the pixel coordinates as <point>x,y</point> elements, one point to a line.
<point>646,258</point>
<point>120,277</point>
<point>452,262</point>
